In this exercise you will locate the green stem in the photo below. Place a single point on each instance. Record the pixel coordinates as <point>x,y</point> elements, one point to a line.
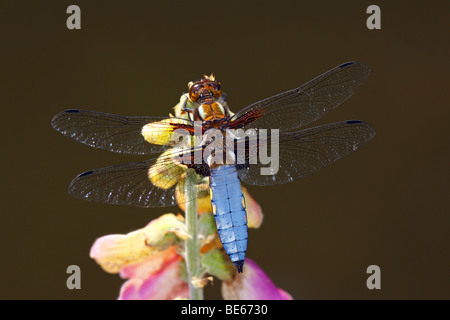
<point>192,249</point>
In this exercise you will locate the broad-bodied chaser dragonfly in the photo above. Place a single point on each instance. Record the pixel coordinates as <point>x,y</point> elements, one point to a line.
<point>153,183</point>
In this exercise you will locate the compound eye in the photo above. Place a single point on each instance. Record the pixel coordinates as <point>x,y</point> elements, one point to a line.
<point>217,90</point>
<point>193,93</point>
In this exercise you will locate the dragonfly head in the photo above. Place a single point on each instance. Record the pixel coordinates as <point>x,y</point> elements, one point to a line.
<point>205,89</point>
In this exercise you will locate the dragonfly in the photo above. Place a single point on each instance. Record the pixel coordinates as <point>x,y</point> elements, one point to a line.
<point>153,182</point>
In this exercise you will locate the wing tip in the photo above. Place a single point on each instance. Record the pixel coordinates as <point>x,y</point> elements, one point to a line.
<point>354,121</point>
<point>74,182</point>
<point>87,173</point>
<point>55,121</point>
<point>346,64</point>
<point>72,186</point>
<point>361,65</point>
<point>364,124</point>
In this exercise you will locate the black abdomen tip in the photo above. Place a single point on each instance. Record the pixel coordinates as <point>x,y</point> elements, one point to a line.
<point>239,265</point>
<point>72,111</point>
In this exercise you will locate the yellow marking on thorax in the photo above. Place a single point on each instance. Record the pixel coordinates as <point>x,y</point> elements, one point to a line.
<point>213,206</point>
<point>213,111</point>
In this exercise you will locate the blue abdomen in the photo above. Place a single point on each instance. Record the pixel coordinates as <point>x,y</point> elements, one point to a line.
<point>228,207</point>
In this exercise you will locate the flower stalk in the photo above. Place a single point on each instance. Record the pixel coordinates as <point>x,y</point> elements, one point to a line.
<point>192,249</point>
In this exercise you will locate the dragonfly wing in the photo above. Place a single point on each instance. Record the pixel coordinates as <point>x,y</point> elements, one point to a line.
<point>298,107</point>
<point>305,152</point>
<point>110,132</point>
<point>150,183</point>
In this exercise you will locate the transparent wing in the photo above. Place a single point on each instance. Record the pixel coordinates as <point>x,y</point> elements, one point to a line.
<point>298,107</point>
<point>150,183</point>
<point>306,152</point>
<point>110,132</point>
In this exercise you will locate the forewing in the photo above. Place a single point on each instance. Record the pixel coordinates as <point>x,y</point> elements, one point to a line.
<point>110,132</point>
<point>297,107</point>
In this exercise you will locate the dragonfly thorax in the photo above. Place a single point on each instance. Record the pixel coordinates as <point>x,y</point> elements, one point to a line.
<point>211,111</point>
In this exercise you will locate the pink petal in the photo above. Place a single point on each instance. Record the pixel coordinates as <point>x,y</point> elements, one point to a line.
<point>254,211</point>
<point>115,252</point>
<point>166,284</point>
<point>252,284</point>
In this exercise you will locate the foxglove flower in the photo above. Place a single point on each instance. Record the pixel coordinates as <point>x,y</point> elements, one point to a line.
<point>252,284</point>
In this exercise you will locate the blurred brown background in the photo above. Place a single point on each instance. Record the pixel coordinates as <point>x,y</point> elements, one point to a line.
<point>386,204</point>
